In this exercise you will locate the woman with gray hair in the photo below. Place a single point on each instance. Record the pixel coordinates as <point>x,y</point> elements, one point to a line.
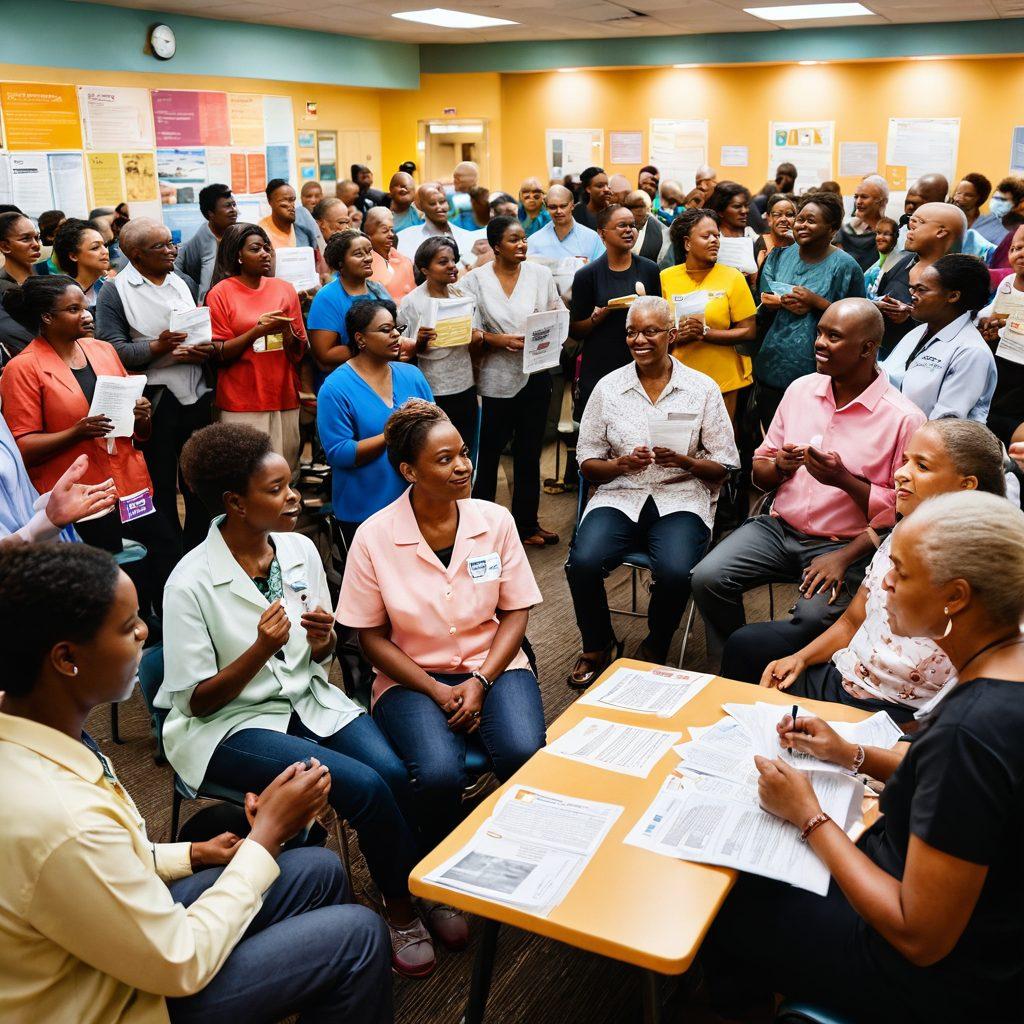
<point>857,235</point>
<point>923,919</point>
<point>656,442</point>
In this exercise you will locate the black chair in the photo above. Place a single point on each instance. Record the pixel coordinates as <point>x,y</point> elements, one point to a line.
<point>796,1012</point>
<point>131,552</point>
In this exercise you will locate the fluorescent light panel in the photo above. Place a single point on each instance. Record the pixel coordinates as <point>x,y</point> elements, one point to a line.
<point>809,12</point>
<point>444,18</point>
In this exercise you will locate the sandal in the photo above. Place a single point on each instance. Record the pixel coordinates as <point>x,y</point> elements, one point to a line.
<point>586,670</point>
<point>448,925</point>
<point>412,950</point>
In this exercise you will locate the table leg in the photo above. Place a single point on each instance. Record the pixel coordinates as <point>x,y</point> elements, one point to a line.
<point>482,968</point>
<point>651,983</point>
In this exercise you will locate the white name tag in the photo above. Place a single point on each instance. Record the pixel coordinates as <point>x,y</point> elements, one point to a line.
<point>484,568</point>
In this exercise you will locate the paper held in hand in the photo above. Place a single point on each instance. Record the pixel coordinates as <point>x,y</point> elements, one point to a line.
<point>530,851</point>
<point>546,333</point>
<point>195,323</point>
<point>1011,340</point>
<point>1010,304</point>
<point>738,253</point>
<point>297,266</point>
<point>115,398</point>
<point>692,304</point>
<point>673,431</point>
<point>656,691</point>
<point>451,319</point>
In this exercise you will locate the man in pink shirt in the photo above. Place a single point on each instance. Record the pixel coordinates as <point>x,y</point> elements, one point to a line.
<point>829,455</point>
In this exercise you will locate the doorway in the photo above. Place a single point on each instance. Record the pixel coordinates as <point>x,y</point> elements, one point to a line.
<point>443,144</point>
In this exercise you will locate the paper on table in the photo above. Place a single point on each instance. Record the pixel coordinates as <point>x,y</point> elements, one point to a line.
<point>530,851</point>
<point>1011,341</point>
<point>725,751</point>
<point>738,253</point>
<point>193,322</point>
<point>690,304</point>
<point>296,265</point>
<point>451,320</point>
<point>658,691</point>
<point>628,749</point>
<point>115,398</point>
<point>546,333</point>
<point>673,431</point>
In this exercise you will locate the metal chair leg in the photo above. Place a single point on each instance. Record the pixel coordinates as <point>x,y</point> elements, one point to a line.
<point>686,631</point>
<point>115,735</point>
<point>175,812</point>
<point>771,603</point>
<point>633,575</point>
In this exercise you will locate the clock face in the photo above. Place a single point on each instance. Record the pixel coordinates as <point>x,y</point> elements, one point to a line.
<point>162,40</point>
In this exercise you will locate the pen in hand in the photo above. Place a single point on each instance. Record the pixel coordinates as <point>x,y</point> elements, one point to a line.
<point>795,709</point>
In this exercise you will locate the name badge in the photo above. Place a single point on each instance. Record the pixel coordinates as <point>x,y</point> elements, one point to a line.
<point>484,568</point>
<point>135,506</point>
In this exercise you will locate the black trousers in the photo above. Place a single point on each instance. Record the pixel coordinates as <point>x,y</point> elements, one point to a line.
<point>173,425</point>
<point>464,412</point>
<point>521,420</point>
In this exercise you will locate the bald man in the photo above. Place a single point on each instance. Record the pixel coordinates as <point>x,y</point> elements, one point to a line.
<point>934,229</point>
<point>619,186</point>
<point>532,212</point>
<point>565,237</point>
<point>401,192</point>
<point>706,178</point>
<point>830,453</point>
<point>433,205</point>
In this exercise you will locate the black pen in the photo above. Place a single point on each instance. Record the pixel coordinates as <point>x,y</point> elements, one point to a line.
<point>794,720</point>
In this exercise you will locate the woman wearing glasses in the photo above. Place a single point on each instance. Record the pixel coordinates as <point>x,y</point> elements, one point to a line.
<point>656,442</point>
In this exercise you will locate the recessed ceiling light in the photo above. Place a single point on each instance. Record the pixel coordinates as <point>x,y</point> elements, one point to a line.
<point>808,63</point>
<point>451,19</point>
<point>686,65</point>
<point>567,71</point>
<point>809,12</point>
<point>932,57</point>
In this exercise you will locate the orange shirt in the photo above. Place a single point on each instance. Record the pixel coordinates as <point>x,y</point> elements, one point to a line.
<point>265,381</point>
<point>394,273</point>
<point>41,396</point>
<point>278,239</point>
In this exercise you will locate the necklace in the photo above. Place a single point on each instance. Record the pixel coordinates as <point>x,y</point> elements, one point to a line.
<point>1003,641</point>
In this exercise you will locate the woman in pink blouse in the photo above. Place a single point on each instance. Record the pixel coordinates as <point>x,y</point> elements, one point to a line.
<point>859,660</point>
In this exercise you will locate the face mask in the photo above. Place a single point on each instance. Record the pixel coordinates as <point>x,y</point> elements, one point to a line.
<point>1000,207</point>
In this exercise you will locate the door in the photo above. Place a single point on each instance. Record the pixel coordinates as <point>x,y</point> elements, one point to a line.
<point>443,144</point>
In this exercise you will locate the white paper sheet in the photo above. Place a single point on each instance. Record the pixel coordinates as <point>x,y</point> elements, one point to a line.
<point>1011,341</point>
<point>725,751</point>
<point>115,398</point>
<point>30,183</point>
<point>738,253</point>
<point>194,322</point>
<point>923,145</point>
<point>626,147</point>
<point>546,333</point>
<point>530,851</point>
<point>573,150</point>
<point>451,320</point>
<point>116,118</point>
<point>690,304</point>
<point>297,265</point>
<point>6,186</point>
<point>857,159</point>
<point>627,749</point>
<point>67,182</point>
<point>735,156</point>
<point>673,431</point>
<point>658,691</point>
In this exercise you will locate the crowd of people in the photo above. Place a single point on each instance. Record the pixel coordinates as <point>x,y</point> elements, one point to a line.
<point>766,389</point>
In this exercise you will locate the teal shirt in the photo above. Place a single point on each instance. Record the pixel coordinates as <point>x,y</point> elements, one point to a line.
<point>531,224</point>
<point>409,219</point>
<point>788,348</point>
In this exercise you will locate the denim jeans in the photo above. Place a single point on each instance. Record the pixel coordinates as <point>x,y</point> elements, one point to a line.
<point>675,543</point>
<point>305,952</point>
<point>369,786</point>
<point>511,730</point>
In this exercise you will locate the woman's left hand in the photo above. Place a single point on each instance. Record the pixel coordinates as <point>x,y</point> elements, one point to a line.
<point>785,791</point>
<point>469,695</point>
<point>318,624</point>
<point>143,411</point>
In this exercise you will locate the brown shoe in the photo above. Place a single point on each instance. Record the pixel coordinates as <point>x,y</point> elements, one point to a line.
<point>448,925</point>
<point>588,668</point>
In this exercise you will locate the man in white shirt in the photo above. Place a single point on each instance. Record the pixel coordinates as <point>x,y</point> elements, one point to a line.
<point>434,207</point>
<point>134,315</point>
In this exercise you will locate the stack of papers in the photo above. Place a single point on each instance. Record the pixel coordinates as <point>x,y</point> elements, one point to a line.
<point>657,691</point>
<point>546,333</point>
<point>627,749</point>
<point>530,851</point>
<point>709,811</point>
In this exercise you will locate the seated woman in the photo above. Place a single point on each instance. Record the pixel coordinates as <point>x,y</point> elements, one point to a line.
<point>649,496</point>
<point>448,370</point>
<point>352,408</point>
<point>944,366</point>
<point>81,253</point>
<point>858,660</point>
<point>922,920</point>
<point>257,327</point>
<point>46,393</point>
<point>350,255</point>
<point>121,928</point>
<point>439,588</point>
<point>248,643</point>
<point>707,341</point>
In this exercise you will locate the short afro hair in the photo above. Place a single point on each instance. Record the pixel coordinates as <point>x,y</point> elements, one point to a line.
<point>968,275</point>
<point>407,428</point>
<point>221,459</point>
<point>50,593</point>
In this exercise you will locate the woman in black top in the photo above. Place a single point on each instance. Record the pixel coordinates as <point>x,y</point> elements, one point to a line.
<point>924,920</point>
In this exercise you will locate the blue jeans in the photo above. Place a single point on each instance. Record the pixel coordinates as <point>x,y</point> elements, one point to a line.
<point>369,786</point>
<point>511,730</point>
<point>675,544</point>
<point>305,952</point>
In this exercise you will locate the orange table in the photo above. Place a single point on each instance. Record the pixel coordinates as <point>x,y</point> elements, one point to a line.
<point>629,904</point>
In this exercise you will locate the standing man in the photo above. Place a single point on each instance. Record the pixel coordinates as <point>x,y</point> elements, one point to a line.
<point>369,196</point>
<point>564,238</point>
<point>705,179</point>
<point>650,236</point>
<point>331,216</point>
<point>198,255</point>
<point>598,195</point>
<point>401,190</point>
<point>648,180</point>
<point>533,215</point>
<point>857,235</point>
<point>618,189</point>
<point>134,313</point>
<point>432,203</point>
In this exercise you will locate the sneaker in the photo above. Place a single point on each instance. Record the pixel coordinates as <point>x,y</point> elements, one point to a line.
<point>412,949</point>
<point>448,925</point>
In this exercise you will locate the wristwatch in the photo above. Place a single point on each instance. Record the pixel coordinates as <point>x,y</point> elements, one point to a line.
<point>706,328</point>
<point>483,680</point>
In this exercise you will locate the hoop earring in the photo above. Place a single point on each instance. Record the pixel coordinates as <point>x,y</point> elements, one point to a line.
<point>949,623</point>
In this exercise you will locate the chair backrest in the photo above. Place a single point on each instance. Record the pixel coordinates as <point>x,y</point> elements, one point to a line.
<point>151,675</point>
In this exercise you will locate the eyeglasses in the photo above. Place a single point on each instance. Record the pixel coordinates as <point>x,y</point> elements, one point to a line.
<point>164,247</point>
<point>650,333</point>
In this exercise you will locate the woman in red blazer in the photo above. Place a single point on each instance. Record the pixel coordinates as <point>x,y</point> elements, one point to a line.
<point>46,392</point>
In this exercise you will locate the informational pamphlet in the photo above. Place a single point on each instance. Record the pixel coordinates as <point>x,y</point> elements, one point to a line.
<point>297,265</point>
<point>451,320</point>
<point>656,691</point>
<point>738,253</point>
<point>546,333</point>
<point>673,430</point>
<point>627,749</point>
<point>195,323</point>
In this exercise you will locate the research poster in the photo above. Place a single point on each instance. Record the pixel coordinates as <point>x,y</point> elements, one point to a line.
<point>573,150</point>
<point>245,114</point>
<point>807,145</point>
<point>39,117</point>
<point>116,118</point>
<point>923,145</point>
<point>678,149</point>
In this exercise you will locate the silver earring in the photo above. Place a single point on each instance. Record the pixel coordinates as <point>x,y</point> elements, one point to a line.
<point>74,670</point>
<point>949,623</point>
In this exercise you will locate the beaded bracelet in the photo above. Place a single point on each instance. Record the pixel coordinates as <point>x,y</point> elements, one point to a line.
<point>816,822</point>
<point>858,760</point>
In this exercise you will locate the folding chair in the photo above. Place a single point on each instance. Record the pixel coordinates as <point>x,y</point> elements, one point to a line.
<point>131,551</point>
